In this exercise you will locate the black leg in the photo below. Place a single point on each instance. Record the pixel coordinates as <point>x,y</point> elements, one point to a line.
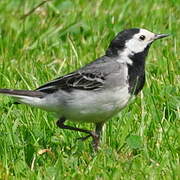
<point>60,123</point>
<point>98,131</point>
<point>95,135</point>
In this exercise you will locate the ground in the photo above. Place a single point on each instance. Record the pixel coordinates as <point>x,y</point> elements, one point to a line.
<point>141,142</point>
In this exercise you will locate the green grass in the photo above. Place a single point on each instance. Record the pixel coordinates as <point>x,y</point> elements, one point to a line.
<point>141,142</point>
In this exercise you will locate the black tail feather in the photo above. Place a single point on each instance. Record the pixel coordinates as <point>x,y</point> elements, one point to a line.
<point>22,93</point>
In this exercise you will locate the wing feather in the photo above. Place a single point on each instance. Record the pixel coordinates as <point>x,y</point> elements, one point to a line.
<point>78,80</point>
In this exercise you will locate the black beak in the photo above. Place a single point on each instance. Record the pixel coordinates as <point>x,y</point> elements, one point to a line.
<point>159,36</point>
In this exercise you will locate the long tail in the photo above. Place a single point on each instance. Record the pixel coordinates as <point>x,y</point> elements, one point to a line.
<point>24,96</point>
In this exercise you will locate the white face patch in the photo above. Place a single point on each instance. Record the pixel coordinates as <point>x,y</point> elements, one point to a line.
<point>140,41</point>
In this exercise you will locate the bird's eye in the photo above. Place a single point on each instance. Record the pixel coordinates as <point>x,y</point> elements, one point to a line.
<point>142,37</point>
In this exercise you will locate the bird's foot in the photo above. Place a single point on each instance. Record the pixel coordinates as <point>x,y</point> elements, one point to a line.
<point>95,142</point>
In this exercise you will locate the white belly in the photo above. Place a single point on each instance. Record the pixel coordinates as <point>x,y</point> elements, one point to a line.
<point>95,107</point>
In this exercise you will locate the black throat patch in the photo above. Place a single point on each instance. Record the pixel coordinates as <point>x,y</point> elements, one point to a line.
<point>136,72</point>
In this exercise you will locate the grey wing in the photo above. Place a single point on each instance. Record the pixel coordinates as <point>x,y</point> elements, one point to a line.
<point>77,80</point>
<point>91,77</point>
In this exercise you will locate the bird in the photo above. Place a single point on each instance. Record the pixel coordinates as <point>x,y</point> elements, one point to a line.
<point>99,90</point>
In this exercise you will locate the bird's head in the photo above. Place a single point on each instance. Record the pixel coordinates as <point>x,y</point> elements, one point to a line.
<point>135,40</point>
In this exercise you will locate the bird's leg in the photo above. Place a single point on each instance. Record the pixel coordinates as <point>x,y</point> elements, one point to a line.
<point>60,124</point>
<point>95,135</point>
<point>96,139</point>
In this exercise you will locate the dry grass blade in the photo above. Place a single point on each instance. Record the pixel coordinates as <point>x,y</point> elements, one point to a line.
<point>36,7</point>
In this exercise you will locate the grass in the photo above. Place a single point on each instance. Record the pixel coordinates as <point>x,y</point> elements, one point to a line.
<point>141,142</point>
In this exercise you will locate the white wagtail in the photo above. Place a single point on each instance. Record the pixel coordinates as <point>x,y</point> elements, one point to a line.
<point>99,90</point>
